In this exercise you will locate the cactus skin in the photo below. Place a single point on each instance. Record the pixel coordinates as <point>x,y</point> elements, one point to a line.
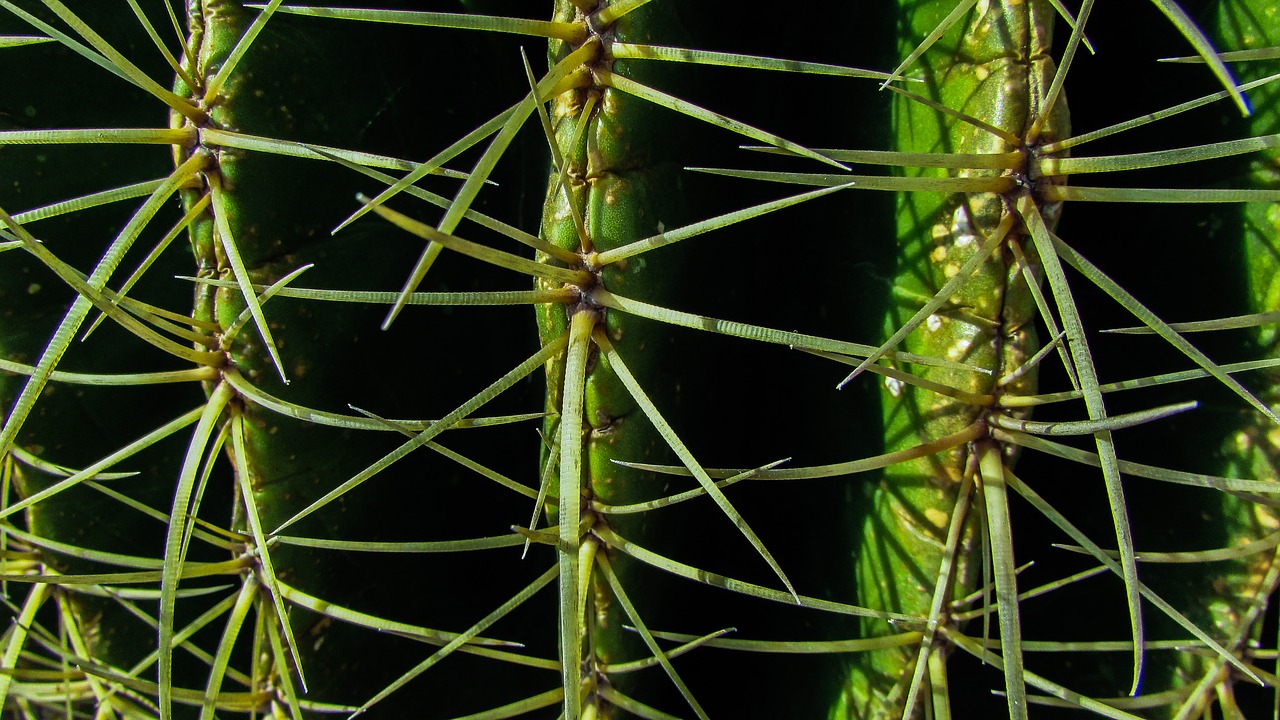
<point>618,174</point>
<point>332,353</point>
<point>994,66</point>
<point>271,243</point>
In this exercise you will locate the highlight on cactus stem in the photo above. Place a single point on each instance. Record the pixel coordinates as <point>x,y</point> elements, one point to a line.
<point>321,465</point>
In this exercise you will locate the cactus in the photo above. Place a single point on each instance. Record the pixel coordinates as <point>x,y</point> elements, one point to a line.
<point>308,463</point>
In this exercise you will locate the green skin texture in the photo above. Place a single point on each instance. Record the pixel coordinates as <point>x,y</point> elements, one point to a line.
<point>618,182</point>
<point>990,72</point>
<point>271,441</point>
<point>270,204</point>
